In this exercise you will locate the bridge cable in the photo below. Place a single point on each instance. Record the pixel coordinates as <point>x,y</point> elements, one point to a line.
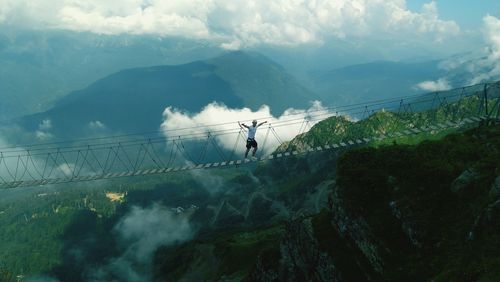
<point>7,168</point>
<point>73,173</point>
<point>219,150</point>
<point>126,156</point>
<point>55,161</point>
<point>67,165</point>
<point>155,157</point>
<point>187,153</point>
<point>33,164</point>
<point>265,141</point>
<point>96,159</point>
<point>235,144</point>
<point>137,158</point>
<point>170,159</point>
<point>276,135</point>
<point>25,165</point>
<point>86,160</point>
<point>17,168</point>
<point>204,150</point>
<point>1,160</point>
<point>106,163</point>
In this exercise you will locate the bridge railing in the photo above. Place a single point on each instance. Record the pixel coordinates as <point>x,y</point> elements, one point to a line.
<point>351,125</point>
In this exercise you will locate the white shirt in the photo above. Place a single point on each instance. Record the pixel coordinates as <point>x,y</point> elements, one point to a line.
<point>251,132</point>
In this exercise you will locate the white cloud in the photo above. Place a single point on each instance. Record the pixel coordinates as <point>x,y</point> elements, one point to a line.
<point>146,229</point>
<point>235,23</point>
<point>46,124</point>
<point>43,136</point>
<point>67,170</point>
<point>142,231</point>
<point>43,133</point>
<point>96,125</point>
<point>489,67</point>
<point>439,85</point>
<point>14,161</point>
<point>214,184</point>
<point>210,118</point>
<point>482,66</point>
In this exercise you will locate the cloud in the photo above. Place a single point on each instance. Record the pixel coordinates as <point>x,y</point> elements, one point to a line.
<point>439,85</point>
<point>235,24</point>
<point>65,170</point>
<point>142,231</point>
<point>287,126</point>
<point>46,124</point>
<point>9,161</point>
<point>43,133</point>
<point>43,136</point>
<point>16,164</point>
<point>214,184</point>
<point>489,67</point>
<point>96,125</point>
<point>477,67</point>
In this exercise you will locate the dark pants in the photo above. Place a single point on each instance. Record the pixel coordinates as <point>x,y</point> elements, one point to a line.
<point>251,143</point>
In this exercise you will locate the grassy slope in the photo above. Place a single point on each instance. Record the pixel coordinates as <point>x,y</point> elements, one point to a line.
<point>340,128</point>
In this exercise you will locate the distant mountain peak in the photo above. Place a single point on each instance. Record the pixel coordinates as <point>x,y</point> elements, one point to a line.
<point>133,100</point>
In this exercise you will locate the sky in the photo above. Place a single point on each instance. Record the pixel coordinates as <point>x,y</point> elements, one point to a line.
<point>397,30</point>
<point>468,14</point>
<point>238,24</point>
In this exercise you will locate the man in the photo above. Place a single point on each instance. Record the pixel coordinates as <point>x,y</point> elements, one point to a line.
<point>251,136</point>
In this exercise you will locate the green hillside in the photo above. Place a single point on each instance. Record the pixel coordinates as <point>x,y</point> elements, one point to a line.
<point>342,128</point>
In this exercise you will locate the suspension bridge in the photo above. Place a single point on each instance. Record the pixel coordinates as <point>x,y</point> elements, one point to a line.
<point>222,145</point>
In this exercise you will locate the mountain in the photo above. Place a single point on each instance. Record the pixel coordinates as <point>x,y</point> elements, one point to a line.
<point>257,80</point>
<point>133,100</point>
<point>37,68</point>
<point>372,81</point>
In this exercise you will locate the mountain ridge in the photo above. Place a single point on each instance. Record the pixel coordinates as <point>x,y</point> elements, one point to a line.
<point>381,79</point>
<point>133,100</point>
